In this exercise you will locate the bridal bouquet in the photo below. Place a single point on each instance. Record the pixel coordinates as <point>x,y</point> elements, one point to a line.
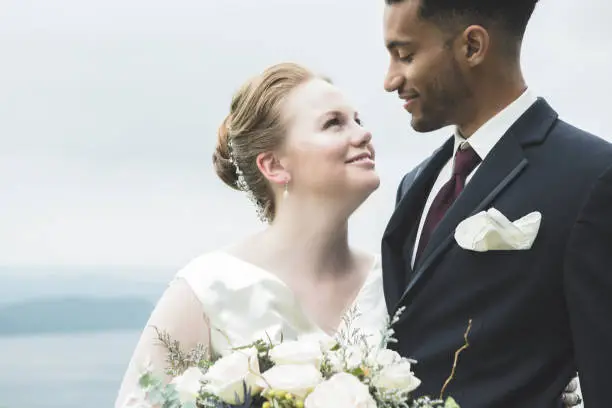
<point>310,372</point>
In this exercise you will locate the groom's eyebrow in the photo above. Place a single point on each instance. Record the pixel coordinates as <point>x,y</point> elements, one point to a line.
<point>397,44</point>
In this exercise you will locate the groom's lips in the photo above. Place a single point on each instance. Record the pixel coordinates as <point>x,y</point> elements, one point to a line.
<point>409,101</point>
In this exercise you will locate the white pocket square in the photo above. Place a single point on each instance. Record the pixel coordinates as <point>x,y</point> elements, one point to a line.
<point>491,230</point>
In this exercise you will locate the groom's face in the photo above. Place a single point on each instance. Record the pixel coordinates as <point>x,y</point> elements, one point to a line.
<point>423,69</point>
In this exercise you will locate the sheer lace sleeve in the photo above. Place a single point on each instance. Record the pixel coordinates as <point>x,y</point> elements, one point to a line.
<point>179,313</point>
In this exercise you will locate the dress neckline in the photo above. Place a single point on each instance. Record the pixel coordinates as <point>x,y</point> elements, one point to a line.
<point>371,277</point>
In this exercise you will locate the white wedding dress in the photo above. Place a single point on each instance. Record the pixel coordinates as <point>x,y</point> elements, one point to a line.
<point>223,301</point>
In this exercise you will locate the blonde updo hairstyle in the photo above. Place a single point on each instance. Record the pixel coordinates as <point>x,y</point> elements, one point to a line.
<point>253,126</point>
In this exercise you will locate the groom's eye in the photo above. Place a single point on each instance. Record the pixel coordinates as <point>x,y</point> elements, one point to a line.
<point>406,58</point>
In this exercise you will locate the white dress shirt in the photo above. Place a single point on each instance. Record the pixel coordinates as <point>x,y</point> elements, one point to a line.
<point>482,141</point>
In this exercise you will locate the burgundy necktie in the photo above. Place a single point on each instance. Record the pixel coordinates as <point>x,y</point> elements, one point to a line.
<point>466,161</point>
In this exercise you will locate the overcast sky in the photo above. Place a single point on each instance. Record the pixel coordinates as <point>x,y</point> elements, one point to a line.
<point>109,111</point>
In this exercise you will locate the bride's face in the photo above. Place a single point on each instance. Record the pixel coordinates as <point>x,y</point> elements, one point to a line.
<point>327,151</point>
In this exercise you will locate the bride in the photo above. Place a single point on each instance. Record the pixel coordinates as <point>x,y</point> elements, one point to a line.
<point>296,146</point>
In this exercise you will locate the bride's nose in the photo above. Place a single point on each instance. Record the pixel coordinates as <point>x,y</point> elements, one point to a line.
<point>362,137</point>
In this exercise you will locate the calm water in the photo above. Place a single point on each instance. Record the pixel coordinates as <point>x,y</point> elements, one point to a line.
<point>63,371</point>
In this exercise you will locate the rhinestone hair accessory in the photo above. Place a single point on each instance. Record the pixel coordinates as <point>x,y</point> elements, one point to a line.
<point>243,186</point>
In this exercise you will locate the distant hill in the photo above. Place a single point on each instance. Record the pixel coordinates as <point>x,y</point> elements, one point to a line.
<point>74,314</point>
<point>20,284</point>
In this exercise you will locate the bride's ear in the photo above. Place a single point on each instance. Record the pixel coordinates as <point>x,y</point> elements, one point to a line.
<point>272,168</point>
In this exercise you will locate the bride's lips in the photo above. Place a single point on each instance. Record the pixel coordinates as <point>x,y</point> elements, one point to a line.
<point>364,159</point>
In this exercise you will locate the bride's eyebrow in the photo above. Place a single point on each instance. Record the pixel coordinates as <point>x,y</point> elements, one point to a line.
<point>332,114</point>
<point>329,115</point>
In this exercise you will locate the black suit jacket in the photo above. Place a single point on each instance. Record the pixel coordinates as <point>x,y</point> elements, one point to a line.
<point>538,315</point>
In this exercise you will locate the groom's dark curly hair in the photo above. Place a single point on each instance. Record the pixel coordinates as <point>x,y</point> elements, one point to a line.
<point>511,16</point>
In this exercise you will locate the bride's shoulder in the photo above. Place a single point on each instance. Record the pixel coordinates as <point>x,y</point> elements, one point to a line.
<point>205,263</point>
<point>221,269</point>
<point>211,268</point>
<point>371,259</point>
<point>217,275</point>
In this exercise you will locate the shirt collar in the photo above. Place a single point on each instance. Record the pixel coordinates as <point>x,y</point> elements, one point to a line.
<point>487,136</point>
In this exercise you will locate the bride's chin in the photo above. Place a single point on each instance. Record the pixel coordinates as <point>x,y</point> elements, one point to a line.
<point>365,188</point>
<point>371,184</point>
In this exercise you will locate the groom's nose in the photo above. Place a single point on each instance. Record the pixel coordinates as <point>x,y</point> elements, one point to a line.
<point>393,82</point>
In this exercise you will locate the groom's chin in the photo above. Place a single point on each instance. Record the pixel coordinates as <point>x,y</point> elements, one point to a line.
<point>421,125</point>
<point>427,123</point>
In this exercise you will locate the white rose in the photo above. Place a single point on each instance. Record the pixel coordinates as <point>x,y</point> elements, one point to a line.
<point>297,379</point>
<point>355,356</point>
<point>385,357</point>
<point>326,341</point>
<point>343,390</point>
<point>297,352</point>
<point>227,376</point>
<point>347,358</point>
<point>397,377</point>
<point>188,384</point>
<point>336,361</point>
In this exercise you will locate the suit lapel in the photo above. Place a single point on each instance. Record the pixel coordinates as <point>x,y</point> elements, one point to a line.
<point>400,233</point>
<point>500,168</point>
<point>413,196</point>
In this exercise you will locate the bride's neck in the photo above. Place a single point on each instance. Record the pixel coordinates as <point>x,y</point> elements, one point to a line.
<point>312,239</point>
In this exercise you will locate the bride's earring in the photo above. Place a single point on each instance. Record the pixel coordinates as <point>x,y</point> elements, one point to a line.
<point>286,191</point>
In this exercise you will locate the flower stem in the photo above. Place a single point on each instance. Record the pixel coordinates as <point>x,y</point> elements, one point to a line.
<point>452,374</point>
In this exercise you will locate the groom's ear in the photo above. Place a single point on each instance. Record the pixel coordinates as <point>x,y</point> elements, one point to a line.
<point>272,168</point>
<point>475,45</point>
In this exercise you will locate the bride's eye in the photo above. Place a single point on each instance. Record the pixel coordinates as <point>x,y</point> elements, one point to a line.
<point>332,122</point>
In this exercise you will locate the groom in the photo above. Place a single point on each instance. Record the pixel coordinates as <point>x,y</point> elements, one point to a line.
<point>541,310</point>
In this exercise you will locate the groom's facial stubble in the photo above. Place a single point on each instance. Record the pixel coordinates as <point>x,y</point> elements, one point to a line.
<point>423,68</point>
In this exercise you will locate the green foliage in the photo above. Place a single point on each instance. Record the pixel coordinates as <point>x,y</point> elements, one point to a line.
<point>158,393</point>
<point>451,403</point>
<point>263,352</point>
<point>178,360</point>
